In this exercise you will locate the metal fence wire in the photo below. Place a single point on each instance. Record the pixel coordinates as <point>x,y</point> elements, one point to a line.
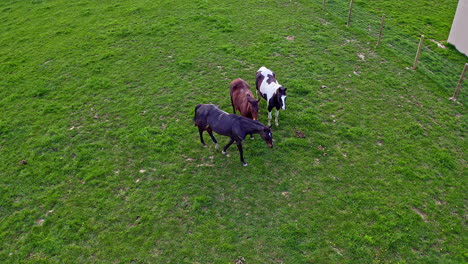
<point>433,60</point>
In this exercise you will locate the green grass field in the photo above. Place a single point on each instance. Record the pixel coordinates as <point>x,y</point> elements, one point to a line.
<point>100,161</point>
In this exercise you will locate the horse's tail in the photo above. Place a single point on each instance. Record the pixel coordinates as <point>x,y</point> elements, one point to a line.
<point>232,103</point>
<point>231,92</point>
<point>195,116</point>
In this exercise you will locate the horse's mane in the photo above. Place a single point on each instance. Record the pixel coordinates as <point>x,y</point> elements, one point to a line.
<point>253,123</point>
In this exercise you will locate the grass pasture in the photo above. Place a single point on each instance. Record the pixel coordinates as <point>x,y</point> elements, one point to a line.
<point>100,161</point>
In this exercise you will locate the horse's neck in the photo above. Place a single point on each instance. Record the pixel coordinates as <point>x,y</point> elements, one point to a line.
<point>252,126</point>
<point>271,90</point>
<point>249,107</point>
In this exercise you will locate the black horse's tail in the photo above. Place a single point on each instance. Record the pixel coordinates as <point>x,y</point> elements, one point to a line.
<point>195,116</point>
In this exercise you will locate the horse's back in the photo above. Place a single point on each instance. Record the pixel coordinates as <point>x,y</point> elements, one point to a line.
<point>208,113</point>
<point>203,112</point>
<point>239,88</point>
<point>266,83</point>
<point>202,109</point>
<point>243,99</point>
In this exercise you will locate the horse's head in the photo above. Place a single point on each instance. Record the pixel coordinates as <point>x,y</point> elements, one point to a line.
<point>267,136</point>
<point>253,109</point>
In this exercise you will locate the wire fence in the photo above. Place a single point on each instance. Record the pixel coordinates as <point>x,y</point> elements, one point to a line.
<point>434,61</point>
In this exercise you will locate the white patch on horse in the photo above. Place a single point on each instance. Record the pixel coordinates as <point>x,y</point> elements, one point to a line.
<point>283,97</point>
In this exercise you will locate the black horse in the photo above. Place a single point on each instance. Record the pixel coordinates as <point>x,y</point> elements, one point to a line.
<point>209,117</point>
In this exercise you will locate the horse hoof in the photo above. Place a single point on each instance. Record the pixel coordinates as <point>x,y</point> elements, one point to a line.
<point>216,146</point>
<point>205,146</point>
<point>223,152</point>
<point>245,164</point>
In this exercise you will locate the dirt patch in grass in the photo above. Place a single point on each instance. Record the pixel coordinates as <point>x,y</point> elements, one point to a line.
<point>420,213</point>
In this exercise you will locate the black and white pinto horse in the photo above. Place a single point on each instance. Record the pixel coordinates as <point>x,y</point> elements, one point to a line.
<point>209,117</point>
<point>273,92</point>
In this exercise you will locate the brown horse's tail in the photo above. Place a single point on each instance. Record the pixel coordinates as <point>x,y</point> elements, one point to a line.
<point>232,103</point>
<point>195,116</point>
<point>231,90</point>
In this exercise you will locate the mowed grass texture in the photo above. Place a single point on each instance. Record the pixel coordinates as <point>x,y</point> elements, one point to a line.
<point>100,161</point>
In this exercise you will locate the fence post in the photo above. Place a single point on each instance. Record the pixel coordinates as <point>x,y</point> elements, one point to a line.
<point>416,59</point>
<point>324,4</point>
<point>350,11</point>
<point>462,76</point>
<point>381,30</point>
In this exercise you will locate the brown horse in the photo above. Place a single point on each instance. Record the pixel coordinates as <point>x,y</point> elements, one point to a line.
<point>209,117</point>
<point>242,99</point>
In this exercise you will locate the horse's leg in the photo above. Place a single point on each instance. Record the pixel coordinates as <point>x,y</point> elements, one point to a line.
<point>200,130</point>
<point>241,152</point>
<point>227,146</point>
<point>269,118</point>
<point>276,119</point>
<point>210,132</point>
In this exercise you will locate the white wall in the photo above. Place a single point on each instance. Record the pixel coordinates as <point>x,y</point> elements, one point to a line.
<point>459,32</point>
